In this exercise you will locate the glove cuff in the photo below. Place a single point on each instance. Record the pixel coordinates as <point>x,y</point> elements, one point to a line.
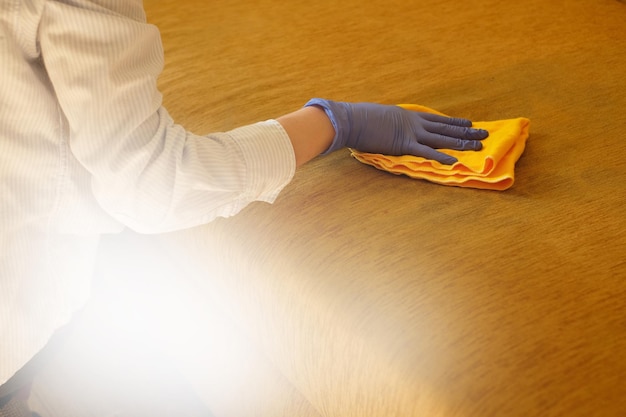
<point>339,115</point>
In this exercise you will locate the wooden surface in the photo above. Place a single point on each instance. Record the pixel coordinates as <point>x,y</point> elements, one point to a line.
<point>377,295</point>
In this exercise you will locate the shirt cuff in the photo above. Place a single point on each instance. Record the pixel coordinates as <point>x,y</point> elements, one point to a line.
<point>269,159</point>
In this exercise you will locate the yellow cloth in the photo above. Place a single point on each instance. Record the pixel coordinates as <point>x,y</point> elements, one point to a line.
<point>491,168</point>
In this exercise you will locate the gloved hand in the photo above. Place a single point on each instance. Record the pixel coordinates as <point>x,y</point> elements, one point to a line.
<point>392,130</point>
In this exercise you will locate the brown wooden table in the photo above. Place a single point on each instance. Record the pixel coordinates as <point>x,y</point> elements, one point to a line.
<point>377,295</point>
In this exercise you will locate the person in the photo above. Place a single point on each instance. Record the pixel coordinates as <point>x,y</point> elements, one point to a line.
<point>87,148</point>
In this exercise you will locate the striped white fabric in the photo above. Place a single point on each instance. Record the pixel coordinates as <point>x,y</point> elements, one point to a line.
<point>86,148</point>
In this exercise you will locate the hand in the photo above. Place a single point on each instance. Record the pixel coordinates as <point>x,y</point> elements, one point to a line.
<point>392,130</point>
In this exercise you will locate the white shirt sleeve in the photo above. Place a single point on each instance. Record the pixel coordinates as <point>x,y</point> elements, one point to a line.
<point>147,172</point>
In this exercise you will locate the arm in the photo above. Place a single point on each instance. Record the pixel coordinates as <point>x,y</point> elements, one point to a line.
<point>151,174</point>
<point>146,171</point>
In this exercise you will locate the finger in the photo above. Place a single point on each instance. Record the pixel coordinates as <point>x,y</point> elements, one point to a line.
<point>424,151</point>
<point>437,141</point>
<point>458,132</point>
<point>437,118</point>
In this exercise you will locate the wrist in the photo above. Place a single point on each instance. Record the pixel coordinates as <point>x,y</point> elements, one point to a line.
<point>310,132</point>
<point>339,115</point>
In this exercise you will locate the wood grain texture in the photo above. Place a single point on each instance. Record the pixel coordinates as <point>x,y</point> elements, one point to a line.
<point>379,295</point>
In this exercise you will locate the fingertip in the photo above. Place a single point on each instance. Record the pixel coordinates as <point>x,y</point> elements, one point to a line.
<point>448,160</point>
<point>477,134</point>
<point>427,152</point>
<point>469,145</point>
<point>482,133</point>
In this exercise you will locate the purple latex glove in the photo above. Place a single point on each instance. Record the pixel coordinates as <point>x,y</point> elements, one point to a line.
<point>392,130</point>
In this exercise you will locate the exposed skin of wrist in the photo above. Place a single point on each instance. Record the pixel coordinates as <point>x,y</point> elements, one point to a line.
<point>310,132</point>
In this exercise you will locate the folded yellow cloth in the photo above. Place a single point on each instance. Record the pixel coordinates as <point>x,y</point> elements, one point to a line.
<point>491,168</point>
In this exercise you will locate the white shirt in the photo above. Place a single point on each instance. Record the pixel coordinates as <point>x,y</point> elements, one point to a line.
<point>87,148</point>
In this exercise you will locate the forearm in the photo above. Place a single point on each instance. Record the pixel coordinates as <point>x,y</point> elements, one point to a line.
<point>310,132</point>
